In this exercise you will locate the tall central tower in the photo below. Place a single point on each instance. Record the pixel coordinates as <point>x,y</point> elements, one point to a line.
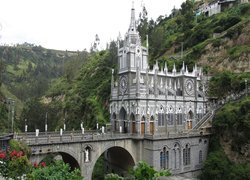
<point>132,54</point>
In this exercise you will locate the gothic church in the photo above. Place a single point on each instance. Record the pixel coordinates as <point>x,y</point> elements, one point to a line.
<point>159,105</point>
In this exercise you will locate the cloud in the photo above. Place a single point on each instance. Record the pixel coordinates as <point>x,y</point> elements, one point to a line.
<point>71,25</point>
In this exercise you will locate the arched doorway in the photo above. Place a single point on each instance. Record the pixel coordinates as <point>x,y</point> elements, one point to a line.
<point>190,117</point>
<point>143,125</point>
<point>123,120</point>
<point>132,120</point>
<point>114,121</point>
<point>114,160</point>
<point>151,129</point>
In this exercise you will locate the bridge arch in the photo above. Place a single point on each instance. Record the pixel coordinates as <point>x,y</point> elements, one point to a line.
<point>66,158</point>
<point>118,159</point>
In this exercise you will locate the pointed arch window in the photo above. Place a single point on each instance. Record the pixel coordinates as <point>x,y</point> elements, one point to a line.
<point>164,158</point>
<point>171,116</point>
<point>180,117</point>
<point>186,155</point>
<point>176,156</point>
<point>161,117</point>
<point>200,156</point>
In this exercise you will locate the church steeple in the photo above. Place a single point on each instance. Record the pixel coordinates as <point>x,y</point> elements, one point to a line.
<point>132,36</point>
<point>132,54</point>
<point>132,26</point>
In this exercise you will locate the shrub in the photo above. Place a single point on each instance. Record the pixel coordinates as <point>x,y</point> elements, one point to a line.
<point>245,9</point>
<point>216,43</point>
<point>112,176</point>
<point>59,170</point>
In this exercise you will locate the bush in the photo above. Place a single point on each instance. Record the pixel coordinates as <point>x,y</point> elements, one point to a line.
<point>113,177</point>
<point>217,166</point>
<point>218,29</point>
<point>59,170</point>
<point>245,9</point>
<point>226,22</point>
<point>234,31</point>
<point>216,43</point>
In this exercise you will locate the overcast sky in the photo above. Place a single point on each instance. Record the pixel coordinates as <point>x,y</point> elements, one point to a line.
<point>72,24</point>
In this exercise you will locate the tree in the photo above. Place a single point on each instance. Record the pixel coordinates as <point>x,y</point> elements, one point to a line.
<point>143,24</point>
<point>3,117</point>
<point>143,171</point>
<point>14,162</point>
<point>216,166</point>
<point>57,171</point>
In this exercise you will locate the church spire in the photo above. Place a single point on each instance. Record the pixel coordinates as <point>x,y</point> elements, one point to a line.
<point>132,26</point>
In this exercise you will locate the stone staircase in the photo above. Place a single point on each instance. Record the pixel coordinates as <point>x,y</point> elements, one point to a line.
<point>203,123</point>
<point>204,120</point>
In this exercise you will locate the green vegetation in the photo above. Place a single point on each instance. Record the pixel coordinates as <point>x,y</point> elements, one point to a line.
<point>195,32</point>
<point>232,127</point>
<point>85,98</point>
<point>3,115</point>
<point>15,164</point>
<point>99,169</point>
<point>57,171</point>
<point>226,83</point>
<point>141,171</point>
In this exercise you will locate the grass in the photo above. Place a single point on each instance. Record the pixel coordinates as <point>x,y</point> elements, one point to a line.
<point>21,67</point>
<point>237,51</point>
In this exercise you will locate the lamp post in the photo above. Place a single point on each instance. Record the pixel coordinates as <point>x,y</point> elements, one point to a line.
<point>26,126</point>
<point>12,119</point>
<point>97,127</point>
<point>46,121</point>
<point>246,86</point>
<point>11,111</point>
<point>64,125</point>
<point>64,121</point>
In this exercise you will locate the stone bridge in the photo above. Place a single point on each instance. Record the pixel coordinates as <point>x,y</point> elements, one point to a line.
<point>83,150</point>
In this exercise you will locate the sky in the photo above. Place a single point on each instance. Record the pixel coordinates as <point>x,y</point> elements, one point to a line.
<point>72,24</point>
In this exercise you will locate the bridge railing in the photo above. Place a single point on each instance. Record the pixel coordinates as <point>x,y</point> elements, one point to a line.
<point>51,138</point>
